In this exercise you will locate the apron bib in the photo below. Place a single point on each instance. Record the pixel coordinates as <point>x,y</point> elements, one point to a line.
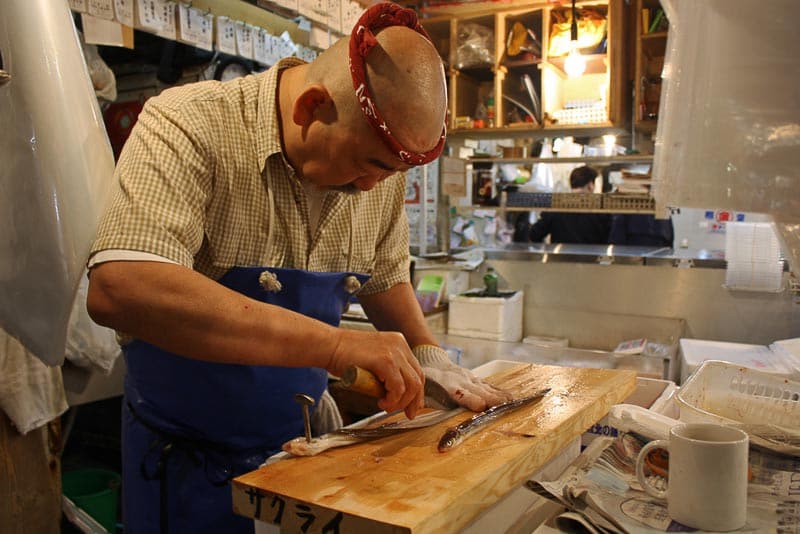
<point>189,426</point>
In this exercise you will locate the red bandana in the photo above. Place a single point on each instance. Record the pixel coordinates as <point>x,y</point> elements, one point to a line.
<point>362,39</point>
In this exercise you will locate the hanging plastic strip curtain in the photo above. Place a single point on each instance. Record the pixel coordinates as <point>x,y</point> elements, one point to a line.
<point>729,119</point>
<point>56,172</point>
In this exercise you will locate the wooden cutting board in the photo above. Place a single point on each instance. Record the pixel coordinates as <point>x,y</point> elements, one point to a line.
<point>402,483</point>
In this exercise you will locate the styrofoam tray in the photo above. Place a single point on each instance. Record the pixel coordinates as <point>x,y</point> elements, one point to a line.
<point>728,393</point>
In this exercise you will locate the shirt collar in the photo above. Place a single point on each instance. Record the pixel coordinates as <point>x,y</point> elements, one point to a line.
<point>268,130</point>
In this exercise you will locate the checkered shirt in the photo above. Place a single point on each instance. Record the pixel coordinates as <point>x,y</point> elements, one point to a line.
<point>193,188</point>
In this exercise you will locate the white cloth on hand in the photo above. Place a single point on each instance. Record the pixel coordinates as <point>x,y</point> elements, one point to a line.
<point>463,387</point>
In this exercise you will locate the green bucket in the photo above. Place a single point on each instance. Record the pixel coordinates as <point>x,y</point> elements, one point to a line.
<point>96,491</point>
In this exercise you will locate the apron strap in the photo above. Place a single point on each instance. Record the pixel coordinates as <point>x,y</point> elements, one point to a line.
<point>168,443</point>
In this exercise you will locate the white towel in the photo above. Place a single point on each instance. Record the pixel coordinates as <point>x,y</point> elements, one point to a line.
<point>31,393</point>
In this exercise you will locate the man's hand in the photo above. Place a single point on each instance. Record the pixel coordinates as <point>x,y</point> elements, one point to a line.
<point>463,387</point>
<point>389,358</point>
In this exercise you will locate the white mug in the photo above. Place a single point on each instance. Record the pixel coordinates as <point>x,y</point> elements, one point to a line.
<point>707,486</point>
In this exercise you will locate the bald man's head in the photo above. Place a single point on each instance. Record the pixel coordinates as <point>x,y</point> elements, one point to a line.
<point>406,79</point>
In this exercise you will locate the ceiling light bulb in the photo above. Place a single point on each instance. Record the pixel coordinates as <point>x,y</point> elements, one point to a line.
<point>575,64</point>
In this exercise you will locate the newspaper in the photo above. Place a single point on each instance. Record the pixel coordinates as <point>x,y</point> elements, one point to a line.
<point>601,493</point>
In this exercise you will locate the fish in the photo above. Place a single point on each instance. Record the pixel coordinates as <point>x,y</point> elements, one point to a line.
<point>457,434</point>
<point>349,436</point>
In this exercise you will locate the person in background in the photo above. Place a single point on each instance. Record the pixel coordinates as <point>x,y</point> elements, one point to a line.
<point>247,215</point>
<point>641,230</point>
<point>585,228</point>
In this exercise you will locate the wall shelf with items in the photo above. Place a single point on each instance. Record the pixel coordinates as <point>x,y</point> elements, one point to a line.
<point>511,62</point>
<point>651,44</point>
<point>577,202</point>
<point>632,158</point>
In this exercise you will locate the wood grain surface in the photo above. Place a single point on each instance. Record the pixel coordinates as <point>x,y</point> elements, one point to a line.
<point>402,483</point>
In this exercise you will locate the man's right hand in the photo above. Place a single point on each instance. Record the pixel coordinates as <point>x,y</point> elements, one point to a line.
<point>389,358</point>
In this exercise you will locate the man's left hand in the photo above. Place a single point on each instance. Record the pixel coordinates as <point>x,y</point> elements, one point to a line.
<point>463,387</point>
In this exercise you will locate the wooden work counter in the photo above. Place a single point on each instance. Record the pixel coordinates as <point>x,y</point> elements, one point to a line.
<point>402,483</point>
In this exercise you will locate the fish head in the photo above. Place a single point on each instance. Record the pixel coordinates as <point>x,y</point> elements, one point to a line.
<point>450,439</point>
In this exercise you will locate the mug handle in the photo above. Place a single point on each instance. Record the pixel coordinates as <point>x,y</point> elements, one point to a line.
<point>646,486</point>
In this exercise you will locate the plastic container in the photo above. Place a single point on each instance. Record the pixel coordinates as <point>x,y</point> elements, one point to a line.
<point>497,318</point>
<point>96,491</point>
<point>723,392</point>
<point>693,352</point>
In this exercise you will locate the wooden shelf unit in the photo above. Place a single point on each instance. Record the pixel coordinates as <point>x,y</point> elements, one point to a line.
<point>650,50</point>
<point>495,73</point>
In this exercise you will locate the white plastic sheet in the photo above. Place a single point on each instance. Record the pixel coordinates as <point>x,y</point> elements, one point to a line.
<point>56,169</point>
<point>729,121</point>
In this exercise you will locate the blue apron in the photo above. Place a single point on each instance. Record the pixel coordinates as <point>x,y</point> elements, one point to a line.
<point>189,426</point>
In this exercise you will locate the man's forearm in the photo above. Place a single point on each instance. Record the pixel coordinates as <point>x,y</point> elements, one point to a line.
<point>184,312</point>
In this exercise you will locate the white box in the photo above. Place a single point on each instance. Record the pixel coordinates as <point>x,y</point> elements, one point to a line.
<point>650,393</point>
<point>693,352</point>
<point>496,318</point>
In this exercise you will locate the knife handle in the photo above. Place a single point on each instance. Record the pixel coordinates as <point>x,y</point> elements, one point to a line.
<point>362,381</point>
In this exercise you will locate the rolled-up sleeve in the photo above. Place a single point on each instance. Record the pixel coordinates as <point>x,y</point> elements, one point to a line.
<point>391,254</point>
<point>165,180</point>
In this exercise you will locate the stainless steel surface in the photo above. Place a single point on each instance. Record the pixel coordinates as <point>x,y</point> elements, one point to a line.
<point>589,300</point>
<point>618,254</point>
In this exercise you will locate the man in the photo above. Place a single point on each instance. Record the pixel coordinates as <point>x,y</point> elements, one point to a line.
<point>586,228</point>
<point>248,214</point>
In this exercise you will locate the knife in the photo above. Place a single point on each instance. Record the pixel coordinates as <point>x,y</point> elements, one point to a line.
<point>362,381</point>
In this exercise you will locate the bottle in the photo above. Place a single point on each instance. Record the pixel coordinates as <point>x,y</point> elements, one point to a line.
<point>490,111</point>
<point>490,279</point>
<point>480,115</point>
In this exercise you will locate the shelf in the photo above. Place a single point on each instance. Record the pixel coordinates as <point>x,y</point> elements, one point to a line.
<point>581,130</point>
<point>481,73</point>
<point>254,15</point>
<point>655,35</point>
<point>462,209</point>
<point>520,63</point>
<point>577,210</point>
<point>626,158</point>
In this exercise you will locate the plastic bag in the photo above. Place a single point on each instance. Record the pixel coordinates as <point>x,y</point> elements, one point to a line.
<point>89,344</point>
<point>475,46</point>
<point>56,175</point>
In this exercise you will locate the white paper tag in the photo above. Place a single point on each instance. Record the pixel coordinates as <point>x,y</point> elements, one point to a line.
<point>226,35</point>
<point>150,14</point>
<point>195,27</point>
<point>123,12</point>
<point>78,5</point>
<point>261,46</point>
<point>204,28</point>
<point>273,53</point>
<point>170,28</point>
<point>244,40</point>
<point>102,9</point>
